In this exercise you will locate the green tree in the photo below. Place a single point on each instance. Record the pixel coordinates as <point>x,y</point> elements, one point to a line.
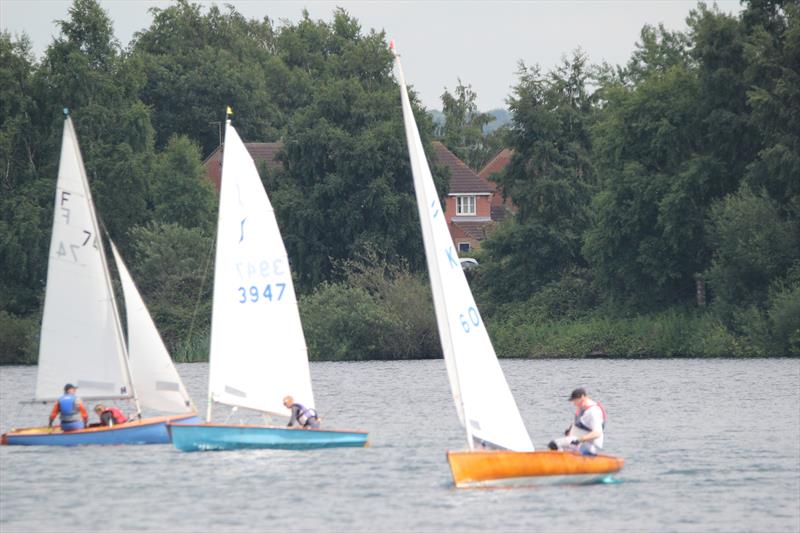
<point>657,51</point>
<point>85,71</point>
<point>719,42</point>
<point>773,52</point>
<point>197,64</point>
<point>347,184</point>
<point>753,246</point>
<point>173,268</point>
<point>462,130</point>
<point>666,149</point>
<point>550,179</point>
<point>25,196</point>
<point>182,193</point>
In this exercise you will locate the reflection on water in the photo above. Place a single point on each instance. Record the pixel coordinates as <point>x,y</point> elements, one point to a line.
<point>709,445</point>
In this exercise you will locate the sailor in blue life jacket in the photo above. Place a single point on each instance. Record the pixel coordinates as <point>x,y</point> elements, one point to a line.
<point>585,434</point>
<point>70,408</point>
<point>301,416</point>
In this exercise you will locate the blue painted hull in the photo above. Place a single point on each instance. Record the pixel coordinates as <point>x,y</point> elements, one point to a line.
<point>212,437</point>
<point>144,431</point>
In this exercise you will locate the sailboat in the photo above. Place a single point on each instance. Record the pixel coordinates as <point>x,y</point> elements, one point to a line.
<point>258,351</point>
<point>499,446</point>
<point>82,340</point>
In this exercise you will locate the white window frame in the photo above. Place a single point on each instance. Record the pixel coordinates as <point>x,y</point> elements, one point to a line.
<point>463,210</point>
<point>469,246</point>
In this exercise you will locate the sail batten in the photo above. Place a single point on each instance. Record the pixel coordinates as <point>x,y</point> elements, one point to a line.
<point>258,350</point>
<point>484,402</point>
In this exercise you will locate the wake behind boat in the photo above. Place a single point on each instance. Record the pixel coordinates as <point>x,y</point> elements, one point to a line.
<point>81,337</point>
<point>499,444</point>
<point>258,351</point>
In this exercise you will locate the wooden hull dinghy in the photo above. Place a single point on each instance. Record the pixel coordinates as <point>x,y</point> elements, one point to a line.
<point>484,403</point>
<point>480,466</point>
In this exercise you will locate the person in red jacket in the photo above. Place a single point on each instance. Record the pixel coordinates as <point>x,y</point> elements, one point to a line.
<point>71,410</point>
<point>109,416</point>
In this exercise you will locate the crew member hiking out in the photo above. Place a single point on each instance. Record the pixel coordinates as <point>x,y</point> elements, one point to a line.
<point>301,416</point>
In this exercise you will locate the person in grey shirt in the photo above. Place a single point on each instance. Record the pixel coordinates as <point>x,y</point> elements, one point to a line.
<point>301,416</point>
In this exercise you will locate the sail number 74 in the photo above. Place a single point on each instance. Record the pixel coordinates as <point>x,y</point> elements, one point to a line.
<point>472,319</point>
<point>254,293</point>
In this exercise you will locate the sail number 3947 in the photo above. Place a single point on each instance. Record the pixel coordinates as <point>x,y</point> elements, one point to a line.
<point>254,293</point>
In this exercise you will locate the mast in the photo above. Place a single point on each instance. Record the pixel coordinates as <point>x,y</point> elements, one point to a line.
<point>209,407</point>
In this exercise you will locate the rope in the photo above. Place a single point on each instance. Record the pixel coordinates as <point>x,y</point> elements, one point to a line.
<point>200,290</point>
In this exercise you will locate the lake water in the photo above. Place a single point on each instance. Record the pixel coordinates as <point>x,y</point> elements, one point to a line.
<point>710,445</point>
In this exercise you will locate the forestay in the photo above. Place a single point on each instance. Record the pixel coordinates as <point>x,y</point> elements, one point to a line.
<point>158,385</point>
<point>483,400</point>
<point>258,352</point>
<point>81,337</point>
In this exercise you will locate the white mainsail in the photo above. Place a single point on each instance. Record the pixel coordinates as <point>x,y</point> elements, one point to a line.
<point>81,337</point>
<point>484,402</point>
<point>258,351</point>
<point>158,385</point>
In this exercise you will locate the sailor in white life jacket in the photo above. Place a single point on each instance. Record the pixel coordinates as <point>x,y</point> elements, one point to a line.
<point>585,434</point>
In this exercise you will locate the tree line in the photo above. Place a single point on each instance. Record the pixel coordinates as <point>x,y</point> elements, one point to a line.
<point>653,188</point>
<point>634,184</point>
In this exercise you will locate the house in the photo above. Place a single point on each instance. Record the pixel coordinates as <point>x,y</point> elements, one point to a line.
<point>501,207</point>
<point>260,152</point>
<point>472,206</point>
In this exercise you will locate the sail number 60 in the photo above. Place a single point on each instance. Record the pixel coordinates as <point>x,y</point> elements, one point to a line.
<point>473,319</point>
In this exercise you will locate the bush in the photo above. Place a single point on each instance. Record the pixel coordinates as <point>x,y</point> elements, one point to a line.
<point>752,245</point>
<point>18,339</point>
<point>341,323</point>
<point>668,334</point>
<point>193,348</point>
<point>784,314</point>
<point>379,311</point>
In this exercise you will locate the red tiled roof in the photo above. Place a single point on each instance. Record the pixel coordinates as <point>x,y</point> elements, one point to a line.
<point>456,232</point>
<point>463,180</point>
<point>501,207</point>
<point>500,212</point>
<point>497,164</point>
<point>261,152</point>
<point>477,230</point>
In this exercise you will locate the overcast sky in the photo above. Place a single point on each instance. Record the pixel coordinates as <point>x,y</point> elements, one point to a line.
<point>480,42</point>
